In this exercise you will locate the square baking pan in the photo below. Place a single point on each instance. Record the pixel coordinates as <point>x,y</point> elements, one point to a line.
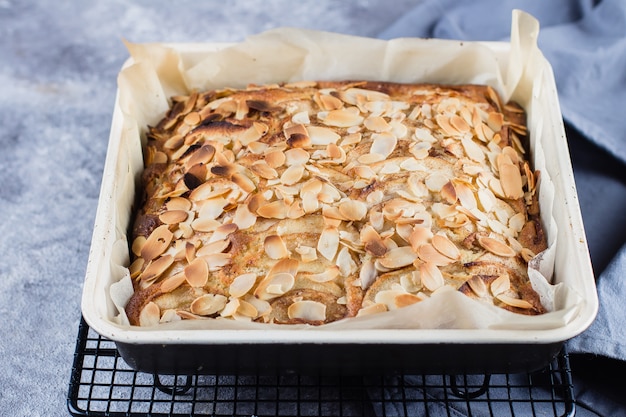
<point>187,351</point>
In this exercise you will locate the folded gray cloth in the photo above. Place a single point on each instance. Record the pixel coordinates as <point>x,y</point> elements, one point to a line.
<point>585,42</point>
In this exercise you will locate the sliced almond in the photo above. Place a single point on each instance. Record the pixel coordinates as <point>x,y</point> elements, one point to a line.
<point>511,180</point>
<point>171,283</point>
<point>404,300</point>
<point>353,209</point>
<point>245,183</point>
<point>275,158</point>
<point>296,157</point>
<point>173,216</point>
<point>243,217</point>
<point>158,241</point>
<point>431,276</point>
<point>514,302</point>
<point>328,243</point>
<point>274,210</point>
<point>156,268</point>
<point>328,275</point>
<point>307,253</point>
<point>496,247</point>
<point>197,273</point>
<point>307,310</point>
<point>322,135</point>
<point>428,253</point>
<point>150,315</point>
<point>275,247</point>
<point>208,304</point>
<point>478,286</point>
<point>446,247</point>
<point>500,285</point>
<point>292,175</point>
<point>373,243</point>
<point>344,117</point>
<point>383,144</point>
<point>242,284</point>
<point>274,285</point>
<point>398,257</point>
<point>178,203</point>
<point>372,309</point>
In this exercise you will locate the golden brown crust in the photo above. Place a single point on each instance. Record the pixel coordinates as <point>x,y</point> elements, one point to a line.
<point>316,201</point>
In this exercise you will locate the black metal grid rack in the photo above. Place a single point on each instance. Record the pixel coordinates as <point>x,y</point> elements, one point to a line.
<point>102,384</point>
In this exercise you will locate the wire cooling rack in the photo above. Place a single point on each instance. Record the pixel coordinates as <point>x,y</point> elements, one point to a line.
<point>102,384</point>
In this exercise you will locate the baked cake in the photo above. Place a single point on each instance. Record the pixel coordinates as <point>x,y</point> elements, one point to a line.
<point>312,202</point>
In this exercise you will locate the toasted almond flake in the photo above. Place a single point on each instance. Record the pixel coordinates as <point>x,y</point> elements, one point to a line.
<point>197,273</point>
<point>487,199</point>
<point>134,269</point>
<point>500,285</point>
<point>436,181</point>
<point>217,261</point>
<point>247,309</point>
<point>353,209</point>
<point>448,193</point>
<point>370,158</point>
<point>444,123</point>
<point>292,175</point>
<point>459,124</point>
<point>192,119</point>
<point>245,183</point>
<point>404,300</point>
<point>411,282</point>
<point>478,286</point>
<point>322,135</point>
<point>372,309</point>
<point>328,275</point>
<point>367,274</point>
<point>263,170</point>
<point>329,102</point>
<point>275,247</point>
<point>328,242</point>
<point>420,150</point>
<point>511,181</point>
<point>428,253</point>
<point>296,156</point>
<point>472,149</point>
<point>158,241</point>
<point>514,302</point>
<point>205,225</point>
<point>527,254</point>
<point>231,307</point>
<point>274,285</point>
<point>274,210</point>
<point>178,203</point>
<point>138,245</point>
<point>169,284</point>
<point>411,164</point>
<point>431,276</point>
<point>383,144</point>
<point>373,243</point>
<point>307,310</point>
<point>169,316</point>
<point>377,124</point>
<point>242,284</point>
<point>420,236</point>
<point>150,315</point>
<point>351,139</point>
<point>496,186</point>
<point>208,304</point>
<point>307,253</point>
<point>343,117</point>
<point>156,268</point>
<point>217,246</point>
<point>495,121</point>
<point>445,246</point>
<point>275,158</point>
<point>465,195</point>
<point>398,257</point>
<point>173,216</point>
<point>496,247</point>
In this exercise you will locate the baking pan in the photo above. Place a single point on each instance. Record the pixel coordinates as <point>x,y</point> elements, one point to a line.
<point>514,348</point>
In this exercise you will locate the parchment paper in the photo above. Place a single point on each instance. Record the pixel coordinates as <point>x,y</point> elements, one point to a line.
<point>159,71</point>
